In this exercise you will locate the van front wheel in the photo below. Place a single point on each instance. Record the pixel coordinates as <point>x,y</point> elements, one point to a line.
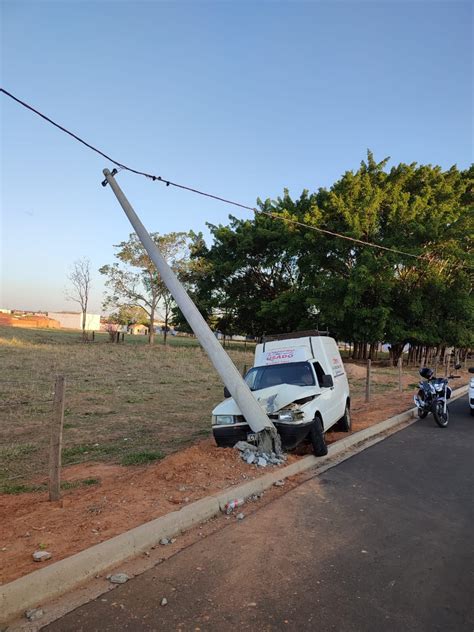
<point>316,436</point>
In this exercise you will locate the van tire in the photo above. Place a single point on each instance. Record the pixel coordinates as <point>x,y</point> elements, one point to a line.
<point>316,436</point>
<point>345,423</point>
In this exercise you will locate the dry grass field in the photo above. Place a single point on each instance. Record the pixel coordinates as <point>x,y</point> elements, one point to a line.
<point>125,403</point>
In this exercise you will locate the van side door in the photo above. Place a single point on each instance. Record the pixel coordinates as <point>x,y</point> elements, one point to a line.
<point>327,405</point>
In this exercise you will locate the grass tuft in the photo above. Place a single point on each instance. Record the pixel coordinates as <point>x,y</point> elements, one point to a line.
<point>141,458</point>
<point>20,488</point>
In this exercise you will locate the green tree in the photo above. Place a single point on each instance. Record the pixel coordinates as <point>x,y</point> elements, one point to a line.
<point>134,282</point>
<point>130,315</point>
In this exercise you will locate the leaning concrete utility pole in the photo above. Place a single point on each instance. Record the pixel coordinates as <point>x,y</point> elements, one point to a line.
<point>251,410</point>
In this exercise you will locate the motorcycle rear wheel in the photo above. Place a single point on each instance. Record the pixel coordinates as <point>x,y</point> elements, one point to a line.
<point>441,417</point>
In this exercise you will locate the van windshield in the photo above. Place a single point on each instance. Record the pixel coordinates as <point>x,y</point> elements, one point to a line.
<point>297,373</point>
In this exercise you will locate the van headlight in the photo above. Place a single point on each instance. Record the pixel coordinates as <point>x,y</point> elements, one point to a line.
<point>286,415</point>
<point>223,420</point>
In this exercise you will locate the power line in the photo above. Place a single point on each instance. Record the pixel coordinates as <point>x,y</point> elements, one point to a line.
<point>203,193</point>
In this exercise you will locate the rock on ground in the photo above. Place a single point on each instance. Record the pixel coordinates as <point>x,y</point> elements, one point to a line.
<point>34,613</point>
<point>41,556</point>
<point>119,578</point>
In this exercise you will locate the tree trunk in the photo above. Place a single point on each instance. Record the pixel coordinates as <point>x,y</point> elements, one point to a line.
<point>355,350</point>
<point>151,329</point>
<point>442,352</point>
<point>84,316</point>
<point>165,335</point>
<point>372,350</point>
<point>395,352</point>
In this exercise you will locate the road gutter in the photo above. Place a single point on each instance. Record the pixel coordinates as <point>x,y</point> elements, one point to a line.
<point>52,581</point>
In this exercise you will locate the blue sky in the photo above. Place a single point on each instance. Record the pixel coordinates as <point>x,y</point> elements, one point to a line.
<point>238,98</point>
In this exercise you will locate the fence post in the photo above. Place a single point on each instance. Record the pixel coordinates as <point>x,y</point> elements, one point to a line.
<point>56,439</point>
<point>367,383</point>
<point>400,385</point>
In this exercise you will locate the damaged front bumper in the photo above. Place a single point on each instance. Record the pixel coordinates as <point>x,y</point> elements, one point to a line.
<point>291,433</point>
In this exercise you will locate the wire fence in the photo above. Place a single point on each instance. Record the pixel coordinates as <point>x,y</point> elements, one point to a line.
<point>112,416</point>
<point>126,412</point>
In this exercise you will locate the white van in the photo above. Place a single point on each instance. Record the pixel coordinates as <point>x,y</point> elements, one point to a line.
<point>300,381</point>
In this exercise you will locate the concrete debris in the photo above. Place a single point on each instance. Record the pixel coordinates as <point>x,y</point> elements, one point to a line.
<point>119,578</point>
<point>251,454</point>
<point>164,602</point>
<point>279,483</point>
<point>240,516</point>
<point>164,541</point>
<point>243,446</point>
<point>41,556</point>
<point>34,613</point>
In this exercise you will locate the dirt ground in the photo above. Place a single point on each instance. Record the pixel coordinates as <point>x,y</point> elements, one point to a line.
<point>123,498</point>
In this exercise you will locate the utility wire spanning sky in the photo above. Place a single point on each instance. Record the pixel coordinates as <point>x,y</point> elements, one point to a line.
<point>241,99</point>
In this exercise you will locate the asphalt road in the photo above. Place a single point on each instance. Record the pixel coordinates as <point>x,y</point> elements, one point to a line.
<point>382,542</point>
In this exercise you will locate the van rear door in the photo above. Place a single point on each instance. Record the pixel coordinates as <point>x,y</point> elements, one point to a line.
<point>341,386</point>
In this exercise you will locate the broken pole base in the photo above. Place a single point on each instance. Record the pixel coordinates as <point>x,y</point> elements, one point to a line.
<point>268,441</point>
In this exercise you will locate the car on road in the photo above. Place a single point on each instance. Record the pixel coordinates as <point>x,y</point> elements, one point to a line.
<point>301,384</point>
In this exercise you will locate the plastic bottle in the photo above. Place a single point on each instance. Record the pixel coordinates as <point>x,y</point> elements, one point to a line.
<point>233,504</point>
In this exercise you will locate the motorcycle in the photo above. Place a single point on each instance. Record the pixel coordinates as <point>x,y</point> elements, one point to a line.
<point>433,395</point>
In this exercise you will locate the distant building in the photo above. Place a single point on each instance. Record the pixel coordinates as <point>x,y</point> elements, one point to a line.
<point>73,320</point>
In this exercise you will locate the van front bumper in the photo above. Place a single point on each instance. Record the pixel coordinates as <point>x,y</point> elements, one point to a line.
<point>291,434</point>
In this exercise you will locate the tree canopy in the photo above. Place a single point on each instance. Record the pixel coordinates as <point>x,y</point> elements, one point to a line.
<point>266,274</point>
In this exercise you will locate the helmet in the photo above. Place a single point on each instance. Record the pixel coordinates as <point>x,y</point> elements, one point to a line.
<point>426,373</point>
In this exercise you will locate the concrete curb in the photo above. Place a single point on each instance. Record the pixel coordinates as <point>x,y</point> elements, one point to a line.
<point>56,579</point>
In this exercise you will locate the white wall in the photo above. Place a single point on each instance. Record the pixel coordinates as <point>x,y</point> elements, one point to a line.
<point>73,320</point>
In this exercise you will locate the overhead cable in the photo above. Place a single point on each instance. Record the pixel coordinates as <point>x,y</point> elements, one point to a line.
<point>203,193</point>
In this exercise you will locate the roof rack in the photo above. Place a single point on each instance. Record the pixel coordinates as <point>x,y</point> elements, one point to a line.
<point>294,334</point>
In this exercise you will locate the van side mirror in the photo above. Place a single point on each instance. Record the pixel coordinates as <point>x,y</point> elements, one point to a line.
<point>226,392</point>
<point>327,381</point>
